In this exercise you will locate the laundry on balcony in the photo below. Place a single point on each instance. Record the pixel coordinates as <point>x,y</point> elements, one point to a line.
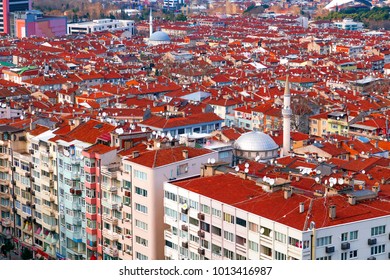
<point>38,231</point>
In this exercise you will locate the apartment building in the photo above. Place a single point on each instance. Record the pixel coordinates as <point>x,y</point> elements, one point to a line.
<point>11,139</point>
<point>45,210</point>
<point>231,216</point>
<point>142,184</point>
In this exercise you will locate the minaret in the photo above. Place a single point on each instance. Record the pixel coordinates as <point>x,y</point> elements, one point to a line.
<point>286,112</point>
<point>150,23</point>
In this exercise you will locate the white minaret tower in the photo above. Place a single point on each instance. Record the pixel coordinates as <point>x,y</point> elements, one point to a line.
<point>150,23</point>
<point>286,112</point>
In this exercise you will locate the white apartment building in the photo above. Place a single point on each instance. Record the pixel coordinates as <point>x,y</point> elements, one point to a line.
<point>101,25</point>
<point>228,216</point>
<point>142,180</point>
<point>349,24</point>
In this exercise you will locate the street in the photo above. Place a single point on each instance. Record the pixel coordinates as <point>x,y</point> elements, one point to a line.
<point>13,256</point>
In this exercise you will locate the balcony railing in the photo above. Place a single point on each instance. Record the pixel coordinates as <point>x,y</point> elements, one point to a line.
<point>112,251</point>
<point>110,235</point>
<point>109,219</point>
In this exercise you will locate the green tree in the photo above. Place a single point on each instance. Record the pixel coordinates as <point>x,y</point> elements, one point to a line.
<point>181,17</point>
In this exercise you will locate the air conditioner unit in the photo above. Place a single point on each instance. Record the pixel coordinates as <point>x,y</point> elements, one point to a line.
<point>371,241</point>
<point>345,245</point>
<point>329,250</point>
<point>128,251</point>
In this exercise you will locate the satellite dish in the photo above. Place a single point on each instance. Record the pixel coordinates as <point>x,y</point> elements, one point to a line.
<point>184,206</point>
<point>66,153</point>
<point>363,172</point>
<point>318,172</point>
<point>212,161</point>
<point>257,158</point>
<point>237,169</point>
<point>208,160</point>
<point>317,179</point>
<point>246,165</point>
<point>154,132</point>
<point>340,181</point>
<point>326,182</point>
<point>331,184</point>
<point>21,117</point>
<point>271,182</point>
<point>143,129</point>
<point>162,135</point>
<point>246,170</point>
<point>262,230</point>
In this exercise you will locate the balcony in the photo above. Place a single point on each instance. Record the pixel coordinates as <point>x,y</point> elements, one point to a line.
<point>109,219</point>
<point>113,236</point>
<point>112,205</point>
<point>6,222</point>
<point>76,221</point>
<point>76,206</point>
<point>4,168</point>
<point>49,226</point>
<point>108,250</point>
<point>109,187</point>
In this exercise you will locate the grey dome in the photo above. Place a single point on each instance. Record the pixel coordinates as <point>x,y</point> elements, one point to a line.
<point>159,36</point>
<point>255,141</point>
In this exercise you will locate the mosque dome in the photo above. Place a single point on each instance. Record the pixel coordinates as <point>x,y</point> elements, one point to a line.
<point>159,36</point>
<point>255,141</point>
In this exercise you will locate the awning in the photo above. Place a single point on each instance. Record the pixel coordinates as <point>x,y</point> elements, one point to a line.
<point>93,258</point>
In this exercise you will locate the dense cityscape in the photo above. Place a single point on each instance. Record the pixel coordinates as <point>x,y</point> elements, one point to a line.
<point>173,130</point>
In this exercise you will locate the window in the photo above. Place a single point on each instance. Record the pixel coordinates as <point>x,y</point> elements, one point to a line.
<point>253,227</point>
<point>353,235</point>
<point>194,222</point>
<point>140,224</point>
<point>228,254</point>
<point>216,230</point>
<point>170,212</point>
<point>141,208</point>
<point>141,241</point>
<point>377,249</point>
<point>322,241</point>
<point>344,236</point>
<point>140,256</point>
<point>170,196</point>
<point>141,191</point>
<point>216,212</point>
<point>253,246</point>
<point>240,222</point>
<point>344,256</point>
<point>280,256</point>
<point>228,218</point>
<point>378,230</point>
<point>324,258</point>
<point>353,254</point>
<point>204,209</point>
<point>126,185</point>
<point>140,175</point>
<point>228,236</point>
<point>194,204</point>
<point>280,237</point>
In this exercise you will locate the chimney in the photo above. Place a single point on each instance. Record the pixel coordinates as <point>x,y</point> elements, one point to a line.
<point>332,211</point>
<point>185,154</point>
<point>352,200</point>
<point>383,181</point>
<point>287,193</point>
<point>135,154</point>
<point>301,207</point>
<point>376,188</point>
